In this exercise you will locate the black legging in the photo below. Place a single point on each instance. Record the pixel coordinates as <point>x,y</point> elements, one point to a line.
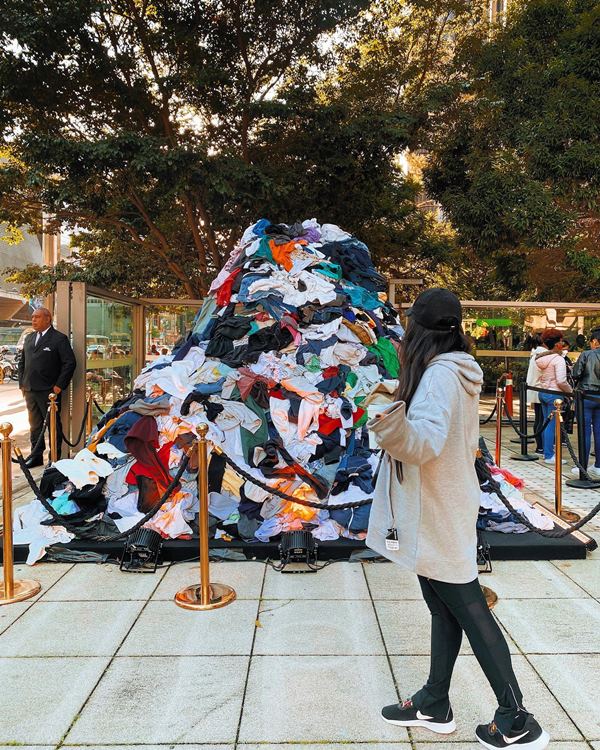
<point>458,607</point>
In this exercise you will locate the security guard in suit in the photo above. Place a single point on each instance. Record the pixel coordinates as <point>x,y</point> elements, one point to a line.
<point>46,366</point>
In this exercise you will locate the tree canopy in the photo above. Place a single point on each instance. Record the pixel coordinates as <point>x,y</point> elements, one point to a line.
<point>515,149</point>
<point>157,132</point>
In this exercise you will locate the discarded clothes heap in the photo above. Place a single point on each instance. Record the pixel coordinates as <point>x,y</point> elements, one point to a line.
<point>495,516</point>
<point>293,349</point>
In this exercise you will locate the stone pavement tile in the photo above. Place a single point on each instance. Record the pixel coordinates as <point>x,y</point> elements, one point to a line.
<point>543,626</point>
<point>307,626</point>
<point>28,688</point>
<point>164,629</point>
<point>406,628</point>
<point>245,577</point>
<point>586,573</point>
<point>473,701</point>
<point>46,573</point>
<point>318,699</point>
<point>331,746</point>
<point>70,629</point>
<point>88,582</point>
<point>10,613</point>
<point>530,579</point>
<point>388,581</point>
<point>145,700</point>
<point>338,581</point>
<point>573,679</point>
<point>168,746</point>
<point>473,745</point>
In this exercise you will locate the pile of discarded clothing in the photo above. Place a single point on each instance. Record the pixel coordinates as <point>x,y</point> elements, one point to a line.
<point>293,349</point>
<point>495,516</point>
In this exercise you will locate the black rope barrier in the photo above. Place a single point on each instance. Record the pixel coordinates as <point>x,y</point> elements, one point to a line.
<point>100,409</point>
<point>87,534</point>
<point>524,435</point>
<point>574,458</point>
<point>40,439</point>
<point>81,430</point>
<point>291,498</point>
<point>490,417</point>
<point>484,472</point>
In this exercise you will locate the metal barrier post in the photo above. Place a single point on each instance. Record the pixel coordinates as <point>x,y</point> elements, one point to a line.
<point>582,483</point>
<point>90,413</point>
<point>524,455</point>
<point>10,590</point>
<point>566,515</point>
<point>491,597</point>
<point>207,595</point>
<point>499,403</point>
<point>508,392</point>
<point>53,432</point>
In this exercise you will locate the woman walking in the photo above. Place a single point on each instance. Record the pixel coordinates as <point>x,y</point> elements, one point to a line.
<point>424,515</point>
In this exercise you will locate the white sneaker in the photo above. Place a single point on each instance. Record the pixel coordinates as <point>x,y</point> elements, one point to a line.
<point>575,471</point>
<point>594,472</point>
<point>553,460</point>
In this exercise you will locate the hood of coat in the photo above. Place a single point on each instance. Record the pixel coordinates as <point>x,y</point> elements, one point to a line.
<point>543,361</point>
<point>465,368</point>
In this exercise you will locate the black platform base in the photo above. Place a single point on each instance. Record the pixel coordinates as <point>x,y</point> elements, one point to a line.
<point>526,457</point>
<point>582,484</point>
<point>528,546</point>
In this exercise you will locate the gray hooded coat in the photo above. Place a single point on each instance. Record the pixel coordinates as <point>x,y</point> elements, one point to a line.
<point>433,501</point>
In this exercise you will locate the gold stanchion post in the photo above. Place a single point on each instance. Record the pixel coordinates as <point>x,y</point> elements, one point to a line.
<point>90,413</point>
<point>207,595</point>
<point>499,405</point>
<point>10,590</point>
<point>53,432</point>
<point>566,515</point>
<point>491,597</point>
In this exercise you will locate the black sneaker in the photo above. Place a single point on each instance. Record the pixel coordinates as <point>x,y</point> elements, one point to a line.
<point>530,737</point>
<point>406,715</point>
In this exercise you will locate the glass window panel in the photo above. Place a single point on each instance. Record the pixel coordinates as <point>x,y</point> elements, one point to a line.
<point>109,349</point>
<point>165,327</point>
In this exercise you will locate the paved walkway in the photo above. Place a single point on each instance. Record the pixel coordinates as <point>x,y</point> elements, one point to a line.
<point>105,659</point>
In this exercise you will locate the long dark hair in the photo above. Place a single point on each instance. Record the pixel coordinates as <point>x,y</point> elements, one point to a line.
<point>419,346</point>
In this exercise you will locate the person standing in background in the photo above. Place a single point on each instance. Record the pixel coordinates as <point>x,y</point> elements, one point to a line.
<point>46,366</point>
<point>533,397</point>
<point>553,378</point>
<point>586,373</point>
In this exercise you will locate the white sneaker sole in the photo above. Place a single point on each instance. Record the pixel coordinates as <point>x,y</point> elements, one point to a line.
<point>432,726</point>
<point>539,744</point>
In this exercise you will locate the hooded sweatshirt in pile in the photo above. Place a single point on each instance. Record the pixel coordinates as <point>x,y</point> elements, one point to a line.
<point>433,501</point>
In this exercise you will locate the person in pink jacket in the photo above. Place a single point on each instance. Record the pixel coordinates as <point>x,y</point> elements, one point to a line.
<point>553,376</point>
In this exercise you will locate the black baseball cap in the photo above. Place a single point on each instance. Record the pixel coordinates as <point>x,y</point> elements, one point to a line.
<point>437,310</point>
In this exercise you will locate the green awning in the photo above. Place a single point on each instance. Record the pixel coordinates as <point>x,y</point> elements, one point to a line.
<point>494,322</point>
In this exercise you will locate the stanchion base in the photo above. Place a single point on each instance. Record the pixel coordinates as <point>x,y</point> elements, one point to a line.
<point>569,516</point>
<point>190,597</point>
<point>526,457</point>
<point>491,596</point>
<point>22,589</point>
<point>582,484</point>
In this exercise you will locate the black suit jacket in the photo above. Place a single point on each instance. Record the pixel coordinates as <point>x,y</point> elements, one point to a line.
<point>50,363</point>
